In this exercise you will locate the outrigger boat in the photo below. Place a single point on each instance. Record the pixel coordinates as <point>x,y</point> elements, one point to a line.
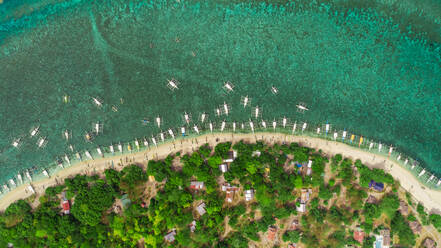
<point>129,147</point>
<point>98,149</point>
<point>19,179</point>
<point>16,143</point>
<point>158,121</point>
<point>66,134</point>
<point>422,173</point>
<point>34,131</point>
<point>171,134</point>
<point>430,178</point>
<point>66,158</point>
<point>335,135</point>
<point>406,161</point>
<point>263,124</point>
<point>301,107</point>
<point>186,118</point>
<point>161,135</point>
<point>390,150</point>
<point>226,109</point>
<point>28,175</point>
<point>343,137</point>
<point>256,112</point>
<point>234,126</point>
<point>78,155</point>
<point>222,126</point>
<point>327,128</point>
<point>228,87</point>
<point>274,90</point>
<point>274,125</point>
<point>137,144</point>
<point>203,116</point>
<point>304,126</point>
<point>41,142</point>
<point>218,112</point>
<point>154,141</point>
<point>399,157</point>
<point>439,182</point>
<point>11,181</point>
<point>361,141</point>
<point>88,136</point>
<point>211,127</point>
<point>114,108</point>
<point>98,128</point>
<point>45,173</point>
<point>245,101</point>
<point>318,130</point>
<point>252,126</point>
<point>380,146</point>
<point>172,84</point>
<point>196,129</point>
<point>31,189</point>
<point>146,143</point>
<point>371,145</point>
<point>71,148</point>
<point>183,131</point>
<point>88,155</point>
<point>112,150</point>
<point>294,126</point>
<point>97,102</point>
<point>65,98</point>
<point>5,188</point>
<point>60,163</point>
<point>120,148</point>
<point>284,122</point>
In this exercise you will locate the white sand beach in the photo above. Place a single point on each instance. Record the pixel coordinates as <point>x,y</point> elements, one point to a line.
<point>430,198</point>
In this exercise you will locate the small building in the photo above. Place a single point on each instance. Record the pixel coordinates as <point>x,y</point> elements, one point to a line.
<point>294,225</point>
<point>196,185</point>
<point>301,208</point>
<point>292,245</point>
<point>231,157</point>
<point>272,231</point>
<point>376,185</point>
<point>223,168</point>
<point>429,243</point>
<point>359,235</point>
<point>256,153</point>
<point>170,237</point>
<point>201,209</point>
<point>193,226</point>
<point>66,206</point>
<point>404,209</point>
<point>304,197</point>
<point>382,240</point>
<point>125,201</point>
<point>372,200</point>
<point>249,194</point>
<point>415,226</point>
<point>309,168</point>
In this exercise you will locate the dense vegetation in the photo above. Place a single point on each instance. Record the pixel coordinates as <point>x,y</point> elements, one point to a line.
<point>160,201</point>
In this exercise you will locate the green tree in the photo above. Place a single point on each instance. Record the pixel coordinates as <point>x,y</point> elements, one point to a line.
<point>291,236</point>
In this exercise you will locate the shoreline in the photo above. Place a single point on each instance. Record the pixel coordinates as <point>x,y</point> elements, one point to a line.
<point>430,198</point>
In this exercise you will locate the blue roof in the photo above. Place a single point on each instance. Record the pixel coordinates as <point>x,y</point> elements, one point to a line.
<point>299,165</point>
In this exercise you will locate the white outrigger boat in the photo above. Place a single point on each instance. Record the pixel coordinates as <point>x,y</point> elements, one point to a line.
<point>45,173</point>
<point>186,118</point>
<point>335,135</point>
<point>242,126</point>
<point>34,131</point>
<point>222,126</point>
<point>211,127</point>
<point>301,107</point>
<point>60,163</point>
<point>88,136</point>
<point>19,179</point>
<point>252,126</point>
<point>158,121</point>
<point>78,155</point>
<point>98,149</point>
<point>343,137</point>
<point>263,124</point>
<point>120,148</point>
<point>16,142</point>
<point>439,182</point>
<point>294,127</point>
<point>284,122</point>
<point>98,127</point>
<point>172,84</point>
<point>406,161</point>
<point>380,146</point>
<point>399,157</point>
<point>422,173</point>
<point>41,142</point>
<point>274,125</point>
<point>31,189</point>
<point>304,126</point>
<point>390,150</point>
<point>171,134</point>
<point>146,143</point>
<point>318,130</point>
<point>112,149</point>
<point>11,181</point>
<point>196,129</point>
<point>28,175</point>
<point>234,126</point>
<point>327,128</point>
<point>137,144</point>
<point>129,147</point>
<point>161,135</point>
<point>97,102</point>
<point>218,112</point>
<point>154,141</point>
<point>245,100</point>
<point>256,112</point>
<point>228,87</point>
<point>274,90</point>
<point>226,108</point>
<point>66,134</point>
<point>371,145</point>
<point>430,178</point>
<point>71,148</point>
<point>5,188</point>
<point>183,131</point>
<point>67,158</point>
<point>203,117</point>
<point>88,155</point>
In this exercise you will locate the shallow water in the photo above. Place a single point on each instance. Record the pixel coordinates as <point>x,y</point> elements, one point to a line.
<point>355,69</point>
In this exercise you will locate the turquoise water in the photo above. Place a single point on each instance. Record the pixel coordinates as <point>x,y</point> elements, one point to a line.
<point>364,70</point>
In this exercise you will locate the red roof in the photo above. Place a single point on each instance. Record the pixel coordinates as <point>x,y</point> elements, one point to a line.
<point>359,236</point>
<point>272,233</point>
<point>66,205</point>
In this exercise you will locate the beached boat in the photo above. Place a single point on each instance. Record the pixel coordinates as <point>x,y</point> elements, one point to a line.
<point>98,149</point>
<point>422,173</point>
<point>242,125</point>
<point>19,179</point>
<point>222,126</point>
<point>41,142</point>
<point>361,141</point>
<point>137,144</point>
<point>12,183</point>
<point>65,98</point>
<point>45,173</point>
<point>327,126</point>
<point>28,175</point>
<point>234,126</point>
<point>112,149</point>
<point>211,127</point>
<point>380,146</point>
<point>245,100</point>
<point>318,130</point>
<point>66,134</point>
<point>34,131</point>
<point>98,127</point>
<point>256,112</point>
<point>31,189</point>
<point>431,178</point>
<point>294,126</point>
<point>71,148</point>
<point>263,123</point>
<point>226,108</point>
<point>97,102</point>
<point>161,135</point>
<point>390,150</point>
<point>343,137</point>
<point>284,122</point>
<point>203,117</point>
<point>186,118</point>
<point>5,188</point>
<point>183,131</point>
<point>371,145</point>
<point>60,163</point>
<point>158,121</point>
<point>304,126</point>
<point>172,84</point>
<point>439,182</point>
<point>218,112</point>
<point>228,87</point>
<point>154,141</point>
<point>88,136</point>
<point>274,90</point>
<point>196,129</point>
<point>406,161</point>
<point>274,125</point>
<point>252,126</point>
<point>120,147</point>
<point>16,142</point>
<point>78,155</point>
<point>171,133</point>
<point>66,158</point>
<point>335,135</point>
<point>129,147</point>
<point>88,155</point>
<point>146,143</point>
<point>352,138</point>
<point>301,107</point>
<point>114,108</point>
